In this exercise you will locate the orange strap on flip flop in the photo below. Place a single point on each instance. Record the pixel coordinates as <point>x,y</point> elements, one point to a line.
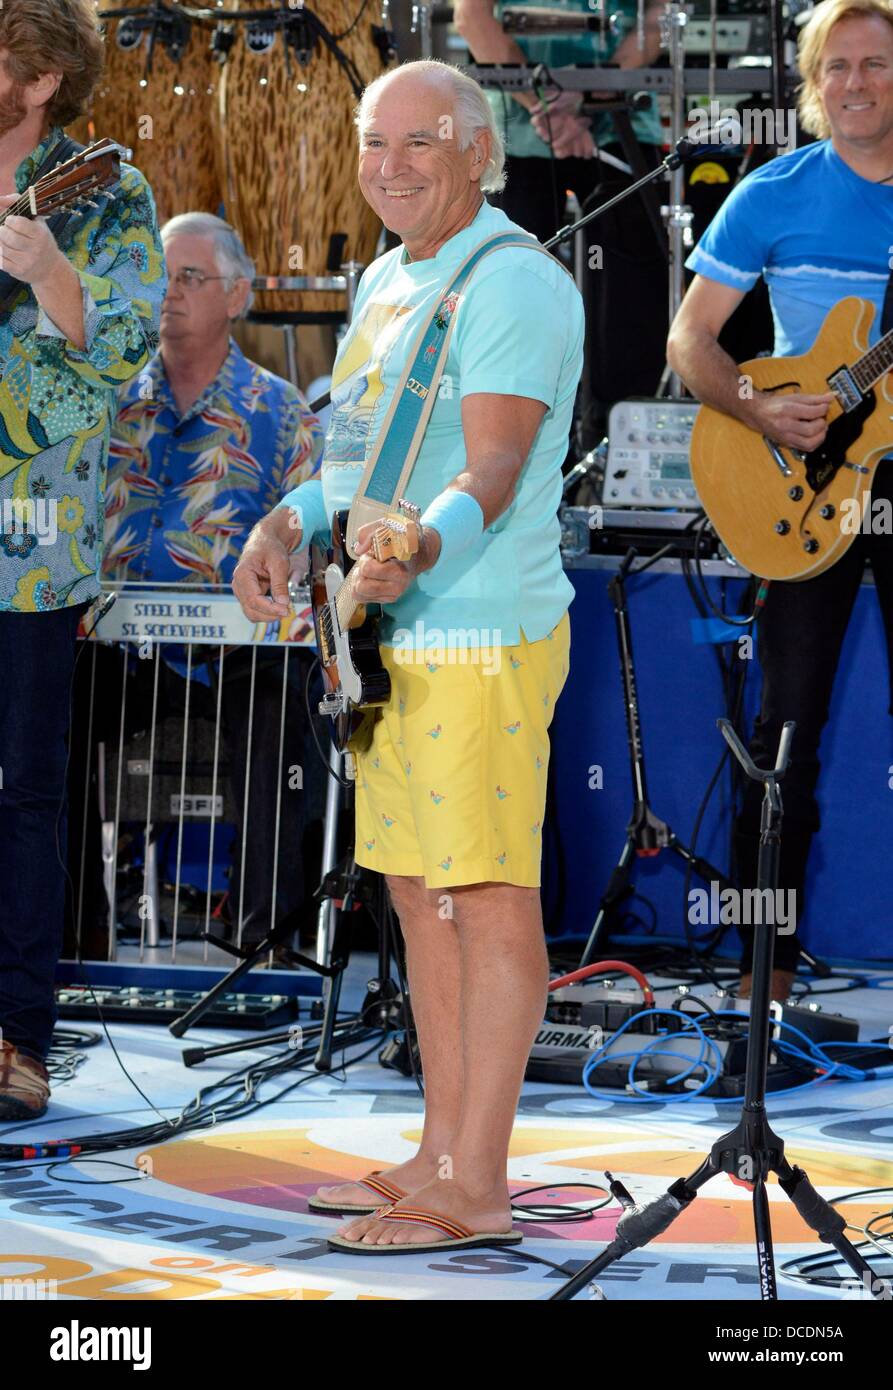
<point>381,1187</point>
<point>415,1216</point>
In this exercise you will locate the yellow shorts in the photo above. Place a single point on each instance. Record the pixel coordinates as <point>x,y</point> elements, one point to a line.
<point>453,786</point>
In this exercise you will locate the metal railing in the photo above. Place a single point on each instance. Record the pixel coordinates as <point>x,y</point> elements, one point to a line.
<point>210,710</point>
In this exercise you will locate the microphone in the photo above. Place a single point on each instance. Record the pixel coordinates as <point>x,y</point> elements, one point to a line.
<point>541,19</point>
<point>724,134</point>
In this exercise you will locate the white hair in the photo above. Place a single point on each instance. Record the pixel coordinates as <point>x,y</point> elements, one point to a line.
<point>471,109</point>
<point>229,252</point>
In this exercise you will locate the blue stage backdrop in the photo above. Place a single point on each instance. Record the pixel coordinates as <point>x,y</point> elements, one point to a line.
<point>848,912</point>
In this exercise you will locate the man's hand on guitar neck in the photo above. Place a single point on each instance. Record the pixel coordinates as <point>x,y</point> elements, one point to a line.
<point>260,579</point>
<point>29,252</point>
<point>383,581</point>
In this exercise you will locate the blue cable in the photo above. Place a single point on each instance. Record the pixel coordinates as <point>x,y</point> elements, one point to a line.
<point>691,1026</point>
<point>814,1054</point>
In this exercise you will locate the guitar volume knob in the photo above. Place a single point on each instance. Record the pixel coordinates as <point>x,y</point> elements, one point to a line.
<point>811,546</point>
<point>827,512</point>
<point>782,527</point>
<point>795,493</point>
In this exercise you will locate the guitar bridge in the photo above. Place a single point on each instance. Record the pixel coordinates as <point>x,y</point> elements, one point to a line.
<point>845,389</point>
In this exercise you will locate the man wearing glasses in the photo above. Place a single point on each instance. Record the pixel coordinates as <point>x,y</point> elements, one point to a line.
<point>205,443</point>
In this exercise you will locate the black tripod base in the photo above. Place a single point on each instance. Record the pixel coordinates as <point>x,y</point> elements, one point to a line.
<point>731,1154</point>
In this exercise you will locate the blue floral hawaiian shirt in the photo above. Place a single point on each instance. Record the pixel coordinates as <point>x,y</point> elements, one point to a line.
<point>185,490</point>
<point>57,402</point>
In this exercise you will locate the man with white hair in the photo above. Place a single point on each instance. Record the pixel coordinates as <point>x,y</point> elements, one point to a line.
<point>451,794</point>
<point>204,443</point>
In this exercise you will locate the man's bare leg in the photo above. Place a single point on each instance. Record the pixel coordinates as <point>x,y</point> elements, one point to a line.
<point>432,957</point>
<point>503,980</point>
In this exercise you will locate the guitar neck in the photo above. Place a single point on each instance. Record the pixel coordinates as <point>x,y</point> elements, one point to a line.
<point>874,364</point>
<point>346,604</point>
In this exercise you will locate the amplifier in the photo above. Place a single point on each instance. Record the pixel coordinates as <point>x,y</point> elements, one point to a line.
<point>583,1017</point>
<point>746,33</point>
<point>169,795</point>
<point>599,530</point>
<point>648,454</point>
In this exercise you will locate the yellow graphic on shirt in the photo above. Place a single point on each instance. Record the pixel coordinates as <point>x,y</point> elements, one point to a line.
<point>357,384</point>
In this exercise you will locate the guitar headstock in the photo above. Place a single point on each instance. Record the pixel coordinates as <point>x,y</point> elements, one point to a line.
<point>395,538</point>
<point>94,169</point>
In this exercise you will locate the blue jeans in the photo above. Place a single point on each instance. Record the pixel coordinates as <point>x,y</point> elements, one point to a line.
<point>37,652</point>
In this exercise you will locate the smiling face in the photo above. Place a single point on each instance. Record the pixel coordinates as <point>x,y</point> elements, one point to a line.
<point>855,81</point>
<point>411,170</point>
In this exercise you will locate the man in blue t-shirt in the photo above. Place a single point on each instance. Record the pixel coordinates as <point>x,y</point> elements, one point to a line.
<point>451,793</point>
<point>817,224</point>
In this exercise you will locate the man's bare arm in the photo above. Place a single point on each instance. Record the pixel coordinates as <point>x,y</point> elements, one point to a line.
<point>693,351</point>
<point>499,432</point>
<point>487,40</point>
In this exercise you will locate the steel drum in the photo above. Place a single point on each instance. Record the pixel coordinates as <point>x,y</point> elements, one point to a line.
<point>287,147</point>
<point>165,115</point>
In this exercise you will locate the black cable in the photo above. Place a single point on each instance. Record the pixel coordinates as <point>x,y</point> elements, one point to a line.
<point>561,1214</point>
<point>104,607</point>
<point>538,92</point>
<point>197,1114</point>
<point>342,781</point>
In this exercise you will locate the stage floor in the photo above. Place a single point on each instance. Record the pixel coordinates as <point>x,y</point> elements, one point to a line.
<point>222,1213</point>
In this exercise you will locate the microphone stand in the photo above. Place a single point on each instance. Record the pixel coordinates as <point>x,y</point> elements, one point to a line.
<point>683,150</point>
<point>751,1151</point>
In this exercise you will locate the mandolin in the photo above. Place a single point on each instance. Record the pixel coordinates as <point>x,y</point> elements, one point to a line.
<point>356,681</point>
<point>784,514</point>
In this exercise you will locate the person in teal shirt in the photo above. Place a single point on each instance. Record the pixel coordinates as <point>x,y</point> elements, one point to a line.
<point>451,784</point>
<point>555,150</point>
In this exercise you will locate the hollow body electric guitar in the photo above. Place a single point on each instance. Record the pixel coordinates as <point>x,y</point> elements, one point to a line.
<point>347,640</point>
<point>784,514</point>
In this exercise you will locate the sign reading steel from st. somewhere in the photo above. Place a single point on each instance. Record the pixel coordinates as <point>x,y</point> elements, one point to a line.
<point>157,615</point>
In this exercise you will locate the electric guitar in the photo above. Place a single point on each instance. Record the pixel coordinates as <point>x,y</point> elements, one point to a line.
<point>784,514</point>
<point>356,681</point>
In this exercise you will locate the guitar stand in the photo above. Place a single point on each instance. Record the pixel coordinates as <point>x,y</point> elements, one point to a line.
<point>646,833</point>
<point>750,1151</point>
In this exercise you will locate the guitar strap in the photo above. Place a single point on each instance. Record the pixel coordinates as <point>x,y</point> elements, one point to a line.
<point>396,448</point>
<point>66,149</point>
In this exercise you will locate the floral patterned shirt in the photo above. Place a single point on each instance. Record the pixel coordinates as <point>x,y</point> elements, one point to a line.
<point>185,490</point>
<point>57,402</point>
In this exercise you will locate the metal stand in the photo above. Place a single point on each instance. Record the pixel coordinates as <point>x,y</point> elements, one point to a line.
<point>676,214</point>
<point>289,319</point>
<point>646,833</point>
<point>751,1151</point>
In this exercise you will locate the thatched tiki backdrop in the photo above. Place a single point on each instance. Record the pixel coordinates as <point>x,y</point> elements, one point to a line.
<point>262,137</point>
<point>168,122</point>
<point>287,149</point>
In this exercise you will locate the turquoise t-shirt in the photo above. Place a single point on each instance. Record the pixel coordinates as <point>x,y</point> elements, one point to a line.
<point>814,229</point>
<point>567,50</point>
<point>518,331</point>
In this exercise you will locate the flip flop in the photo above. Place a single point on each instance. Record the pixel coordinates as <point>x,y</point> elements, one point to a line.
<point>459,1237</point>
<point>375,1183</point>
